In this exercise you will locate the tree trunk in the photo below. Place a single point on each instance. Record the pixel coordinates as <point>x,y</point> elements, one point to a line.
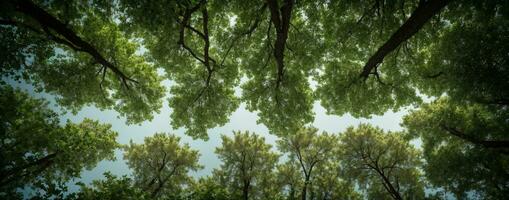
<point>305,188</point>
<point>245,190</point>
<point>280,17</point>
<point>394,193</point>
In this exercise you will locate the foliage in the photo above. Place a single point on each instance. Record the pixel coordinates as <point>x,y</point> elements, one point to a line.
<point>460,147</point>
<point>160,165</point>
<point>111,188</point>
<point>246,160</point>
<point>309,149</point>
<point>208,189</point>
<point>38,153</point>
<point>43,57</point>
<point>276,57</point>
<point>331,182</point>
<point>384,164</point>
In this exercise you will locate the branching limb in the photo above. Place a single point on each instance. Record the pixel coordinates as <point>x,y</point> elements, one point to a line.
<point>71,39</point>
<point>500,144</point>
<point>422,14</point>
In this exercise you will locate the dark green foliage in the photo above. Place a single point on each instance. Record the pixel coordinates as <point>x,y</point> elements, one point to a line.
<point>38,153</point>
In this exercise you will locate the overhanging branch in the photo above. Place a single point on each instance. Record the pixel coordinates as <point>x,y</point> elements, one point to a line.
<point>492,144</point>
<point>422,14</point>
<point>49,22</point>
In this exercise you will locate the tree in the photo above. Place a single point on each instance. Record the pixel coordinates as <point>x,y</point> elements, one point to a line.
<point>79,44</point>
<point>160,165</point>
<point>309,149</point>
<point>204,62</point>
<point>422,14</point>
<point>289,179</point>
<point>331,182</point>
<point>207,189</point>
<point>246,158</point>
<point>465,146</point>
<point>36,151</point>
<point>111,188</point>
<point>384,163</point>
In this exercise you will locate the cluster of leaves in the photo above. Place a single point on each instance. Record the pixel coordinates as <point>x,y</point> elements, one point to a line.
<point>39,153</point>
<point>161,164</point>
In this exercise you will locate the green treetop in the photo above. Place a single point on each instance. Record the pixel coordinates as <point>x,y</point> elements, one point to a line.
<point>384,164</point>
<point>308,149</point>
<point>39,153</point>
<point>246,160</point>
<point>160,165</point>
<point>465,146</point>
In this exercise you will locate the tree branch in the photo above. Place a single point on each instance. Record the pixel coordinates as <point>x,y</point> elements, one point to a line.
<point>503,144</point>
<point>280,17</point>
<point>72,40</point>
<point>13,174</point>
<point>422,14</point>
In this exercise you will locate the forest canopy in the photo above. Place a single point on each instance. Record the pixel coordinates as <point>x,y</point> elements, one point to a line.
<point>447,61</point>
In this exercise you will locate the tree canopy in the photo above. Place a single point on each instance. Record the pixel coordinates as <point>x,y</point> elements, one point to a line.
<point>209,49</point>
<point>246,159</point>
<point>446,61</point>
<point>38,152</point>
<point>160,165</point>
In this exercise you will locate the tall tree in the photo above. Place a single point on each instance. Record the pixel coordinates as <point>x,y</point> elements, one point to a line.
<point>309,149</point>
<point>375,159</point>
<point>185,43</point>
<point>465,147</point>
<point>246,158</point>
<point>160,165</point>
<point>467,70</point>
<point>36,151</point>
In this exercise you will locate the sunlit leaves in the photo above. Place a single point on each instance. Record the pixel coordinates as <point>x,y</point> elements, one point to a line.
<point>112,188</point>
<point>385,164</point>
<point>160,165</point>
<point>246,160</point>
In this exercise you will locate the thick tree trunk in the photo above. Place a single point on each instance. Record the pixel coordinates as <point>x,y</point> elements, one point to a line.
<point>422,14</point>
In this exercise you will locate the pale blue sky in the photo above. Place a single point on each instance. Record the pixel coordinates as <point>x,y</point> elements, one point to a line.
<point>241,120</point>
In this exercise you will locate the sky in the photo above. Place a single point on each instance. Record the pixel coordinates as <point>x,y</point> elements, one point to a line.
<point>240,120</point>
